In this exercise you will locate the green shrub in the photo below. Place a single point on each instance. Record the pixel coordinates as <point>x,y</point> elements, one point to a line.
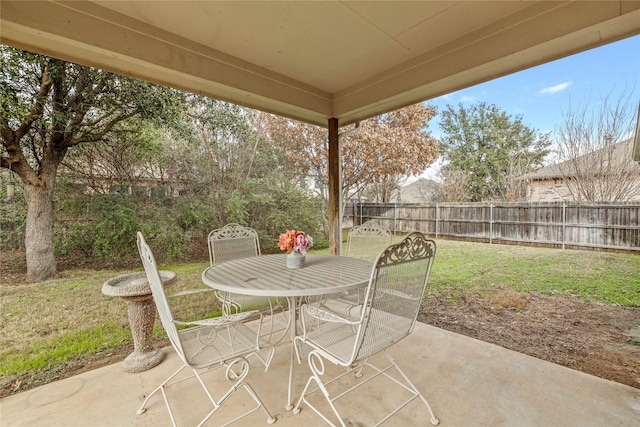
<point>274,204</point>
<point>194,215</point>
<point>102,227</point>
<point>12,223</point>
<point>105,233</point>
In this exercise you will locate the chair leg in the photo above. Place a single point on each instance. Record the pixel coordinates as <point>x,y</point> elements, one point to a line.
<point>434,420</point>
<point>316,363</point>
<point>161,387</point>
<point>238,378</point>
<point>297,409</point>
<point>270,418</point>
<point>265,360</point>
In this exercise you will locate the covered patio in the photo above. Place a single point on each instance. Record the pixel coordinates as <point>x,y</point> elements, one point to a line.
<point>467,382</point>
<point>332,64</point>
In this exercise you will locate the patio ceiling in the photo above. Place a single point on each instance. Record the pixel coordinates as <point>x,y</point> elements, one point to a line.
<point>313,61</point>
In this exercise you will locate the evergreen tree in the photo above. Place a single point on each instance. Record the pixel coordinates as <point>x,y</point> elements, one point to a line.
<point>492,149</point>
<point>49,106</point>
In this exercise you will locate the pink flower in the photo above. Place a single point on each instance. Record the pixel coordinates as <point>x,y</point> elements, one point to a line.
<point>295,240</point>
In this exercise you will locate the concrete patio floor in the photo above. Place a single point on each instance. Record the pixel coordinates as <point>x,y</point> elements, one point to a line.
<point>466,381</point>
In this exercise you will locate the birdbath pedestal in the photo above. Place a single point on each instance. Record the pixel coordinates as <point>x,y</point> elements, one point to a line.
<point>134,287</point>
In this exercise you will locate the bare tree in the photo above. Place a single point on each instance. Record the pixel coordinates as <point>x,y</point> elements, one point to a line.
<point>384,191</point>
<point>592,165</point>
<point>454,188</point>
<point>518,165</point>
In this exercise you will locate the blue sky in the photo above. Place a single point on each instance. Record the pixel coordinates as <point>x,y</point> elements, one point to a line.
<point>542,93</point>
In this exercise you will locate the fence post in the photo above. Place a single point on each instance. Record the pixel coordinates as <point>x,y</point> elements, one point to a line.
<point>564,223</point>
<point>395,217</point>
<point>354,212</point>
<point>491,224</point>
<point>437,215</point>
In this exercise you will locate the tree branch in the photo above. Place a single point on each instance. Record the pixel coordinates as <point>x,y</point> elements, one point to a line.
<point>37,108</point>
<point>98,136</point>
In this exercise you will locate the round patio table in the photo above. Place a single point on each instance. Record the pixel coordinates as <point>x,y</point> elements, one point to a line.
<point>268,275</point>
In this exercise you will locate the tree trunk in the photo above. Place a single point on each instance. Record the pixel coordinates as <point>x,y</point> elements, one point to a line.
<point>41,263</point>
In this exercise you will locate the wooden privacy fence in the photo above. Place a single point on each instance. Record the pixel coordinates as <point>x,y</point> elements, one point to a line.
<point>557,224</point>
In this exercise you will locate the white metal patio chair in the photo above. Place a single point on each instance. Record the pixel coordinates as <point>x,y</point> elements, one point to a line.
<point>367,240</point>
<point>391,305</point>
<point>205,345</point>
<point>364,241</point>
<point>234,241</point>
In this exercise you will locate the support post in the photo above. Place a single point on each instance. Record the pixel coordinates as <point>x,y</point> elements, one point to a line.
<point>335,193</point>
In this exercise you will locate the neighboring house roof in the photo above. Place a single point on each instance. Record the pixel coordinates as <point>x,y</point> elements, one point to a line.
<point>620,156</point>
<point>420,191</point>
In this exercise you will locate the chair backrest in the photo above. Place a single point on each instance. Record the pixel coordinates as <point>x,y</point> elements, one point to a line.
<point>159,296</point>
<point>367,240</point>
<point>232,241</point>
<point>394,294</point>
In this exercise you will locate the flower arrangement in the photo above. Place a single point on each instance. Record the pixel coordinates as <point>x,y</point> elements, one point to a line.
<point>293,240</point>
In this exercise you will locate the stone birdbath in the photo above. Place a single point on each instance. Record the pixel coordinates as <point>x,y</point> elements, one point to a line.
<point>135,288</point>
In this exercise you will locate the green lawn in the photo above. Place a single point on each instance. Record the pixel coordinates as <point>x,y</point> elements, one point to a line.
<point>609,278</point>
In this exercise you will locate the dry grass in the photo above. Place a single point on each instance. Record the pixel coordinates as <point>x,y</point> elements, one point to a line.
<point>507,299</point>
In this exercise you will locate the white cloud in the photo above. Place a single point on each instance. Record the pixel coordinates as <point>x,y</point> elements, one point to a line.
<point>467,98</point>
<point>556,88</point>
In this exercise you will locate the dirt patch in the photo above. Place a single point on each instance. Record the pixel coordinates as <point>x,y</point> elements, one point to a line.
<point>594,338</point>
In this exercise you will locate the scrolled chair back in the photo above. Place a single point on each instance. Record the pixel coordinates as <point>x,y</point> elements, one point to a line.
<point>394,296</point>
<point>233,241</point>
